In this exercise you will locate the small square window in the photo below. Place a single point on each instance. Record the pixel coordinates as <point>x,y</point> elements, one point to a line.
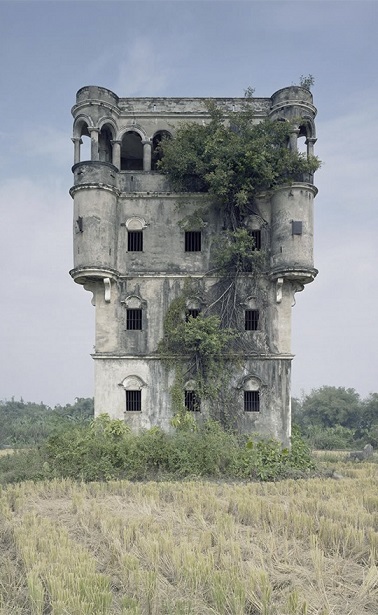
<point>191,314</point>
<point>256,235</point>
<point>79,225</point>
<point>251,320</point>
<point>133,320</point>
<point>135,241</point>
<point>192,241</point>
<point>251,401</point>
<point>296,227</point>
<point>192,401</point>
<point>133,401</point>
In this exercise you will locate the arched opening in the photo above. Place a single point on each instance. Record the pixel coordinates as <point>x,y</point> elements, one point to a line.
<point>302,140</point>
<point>131,152</point>
<point>81,132</point>
<point>104,144</point>
<point>156,151</point>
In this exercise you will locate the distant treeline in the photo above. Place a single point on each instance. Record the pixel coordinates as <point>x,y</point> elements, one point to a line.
<point>337,418</point>
<point>328,418</point>
<point>24,424</point>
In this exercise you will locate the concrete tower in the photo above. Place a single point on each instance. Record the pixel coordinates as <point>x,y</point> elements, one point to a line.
<point>134,255</point>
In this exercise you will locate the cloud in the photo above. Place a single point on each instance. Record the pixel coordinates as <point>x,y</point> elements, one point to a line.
<point>47,142</point>
<point>143,71</point>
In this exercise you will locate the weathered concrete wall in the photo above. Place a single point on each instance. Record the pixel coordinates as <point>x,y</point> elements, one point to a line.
<point>108,202</point>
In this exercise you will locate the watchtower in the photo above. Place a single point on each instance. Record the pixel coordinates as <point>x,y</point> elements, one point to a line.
<point>132,253</point>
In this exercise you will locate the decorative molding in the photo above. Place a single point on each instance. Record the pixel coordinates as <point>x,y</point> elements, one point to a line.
<point>108,287</point>
<point>132,382</point>
<point>279,286</point>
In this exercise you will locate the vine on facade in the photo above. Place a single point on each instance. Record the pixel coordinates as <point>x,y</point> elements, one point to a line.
<point>233,160</point>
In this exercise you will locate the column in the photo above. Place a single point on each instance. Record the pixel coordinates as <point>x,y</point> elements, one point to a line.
<point>116,154</point>
<point>310,142</point>
<point>77,141</point>
<point>147,149</point>
<point>294,139</point>
<point>94,142</point>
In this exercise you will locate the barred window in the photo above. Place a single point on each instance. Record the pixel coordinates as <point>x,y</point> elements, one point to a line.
<point>192,401</point>
<point>133,401</point>
<point>252,401</point>
<point>256,235</point>
<point>192,241</point>
<point>251,320</point>
<point>133,319</point>
<point>191,314</point>
<point>135,241</point>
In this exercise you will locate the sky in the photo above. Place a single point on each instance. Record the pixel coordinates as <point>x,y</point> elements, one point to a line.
<point>50,49</point>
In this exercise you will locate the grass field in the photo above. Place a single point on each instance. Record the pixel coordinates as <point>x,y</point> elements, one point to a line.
<point>5,451</point>
<point>192,548</point>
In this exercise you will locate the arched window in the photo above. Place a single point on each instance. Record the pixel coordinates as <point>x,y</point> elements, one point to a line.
<point>134,313</point>
<point>192,401</point>
<point>251,315</point>
<point>104,144</point>
<point>135,228</point>
<point>133,386</point>
<point>252,394</point>
<point>131,152</point>
<point>156,151</point>
<point>192,308</point>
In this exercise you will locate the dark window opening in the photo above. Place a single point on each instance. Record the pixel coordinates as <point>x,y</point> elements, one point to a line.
<point>256,235</point>
<point>251,401</point>
<point>191,314</point>
<point>79,224</point>
<point>192,401</point>
<point>296,227</point>
<point>133,320</point>
<point>133,401</point>
<point>192,241</point>
<point>132,152</point>
<point>157,153</point>
<point>135,241</point>
<point>251,320</point>
<point>104,145</point>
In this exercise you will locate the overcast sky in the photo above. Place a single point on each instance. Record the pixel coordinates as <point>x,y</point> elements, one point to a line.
<point>48,50</point>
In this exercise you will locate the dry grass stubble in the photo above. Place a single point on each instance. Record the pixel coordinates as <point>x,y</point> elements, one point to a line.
<point>193,548</point>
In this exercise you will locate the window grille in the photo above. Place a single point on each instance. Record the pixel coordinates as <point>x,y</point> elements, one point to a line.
<point>133,401</point>
<point>192,402</point>
<point>256,235</point>
<point>192,241</point>
<point>252,401</point>
<point>251,320</point>
<point>191,313</point>
<point>135,241</point>
<point>133,320</point>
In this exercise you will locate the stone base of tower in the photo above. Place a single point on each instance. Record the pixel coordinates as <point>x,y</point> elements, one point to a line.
<point>138,391</point>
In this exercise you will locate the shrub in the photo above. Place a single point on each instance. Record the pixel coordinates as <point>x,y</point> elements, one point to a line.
<point>107,450</point>
<point>26,464</point>
<point>330,438</point>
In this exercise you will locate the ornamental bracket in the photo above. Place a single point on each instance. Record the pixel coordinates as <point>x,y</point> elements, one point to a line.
<point>107,285</point>
<point>279,285</point>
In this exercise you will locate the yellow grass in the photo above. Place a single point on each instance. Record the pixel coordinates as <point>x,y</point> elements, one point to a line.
<point>192,548</point>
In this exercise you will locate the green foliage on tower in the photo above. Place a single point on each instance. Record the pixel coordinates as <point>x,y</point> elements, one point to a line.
<point>233,158</point>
